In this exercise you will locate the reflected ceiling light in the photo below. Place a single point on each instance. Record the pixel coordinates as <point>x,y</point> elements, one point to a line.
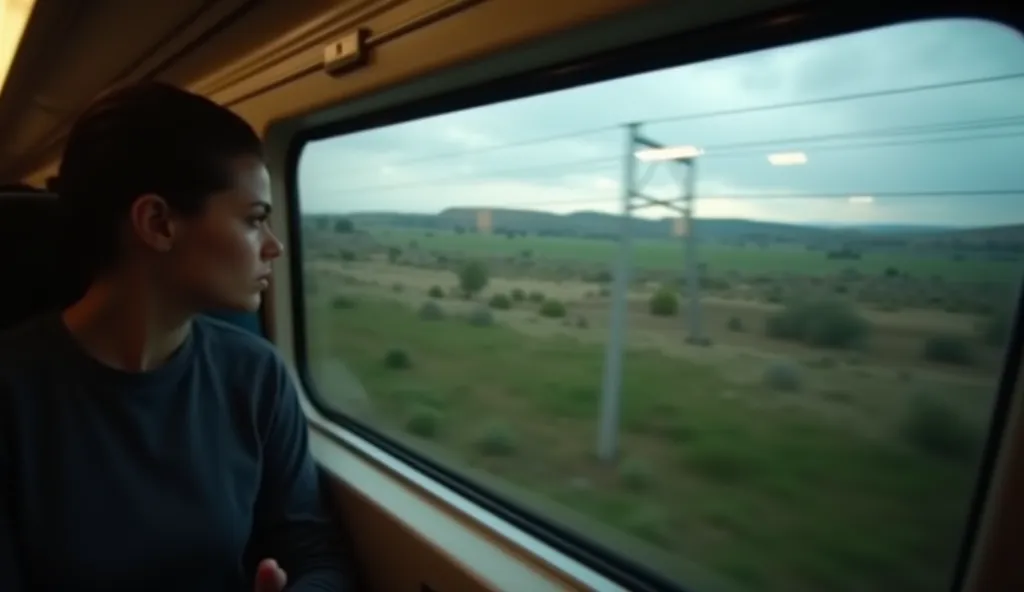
<point>669,153</point>
<point>787,158</point>
<point>861,199</point>
<point>13,20</point>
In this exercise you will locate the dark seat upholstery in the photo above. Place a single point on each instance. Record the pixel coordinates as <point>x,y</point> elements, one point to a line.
<point>37,268</point>
<point>35,279</point>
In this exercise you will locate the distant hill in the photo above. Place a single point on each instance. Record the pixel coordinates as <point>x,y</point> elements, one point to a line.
<point>602,225</point>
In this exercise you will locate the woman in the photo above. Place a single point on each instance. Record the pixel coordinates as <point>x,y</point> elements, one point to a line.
<point>143,447</point>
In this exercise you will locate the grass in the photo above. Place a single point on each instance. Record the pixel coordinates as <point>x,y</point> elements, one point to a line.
<point>771,496</point>
<point>667,254</point>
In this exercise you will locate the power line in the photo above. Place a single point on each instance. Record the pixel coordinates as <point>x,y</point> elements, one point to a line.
<point>840,98</point>
<point>711,114</point>
<point>944,127</point>
<point>719,151</point>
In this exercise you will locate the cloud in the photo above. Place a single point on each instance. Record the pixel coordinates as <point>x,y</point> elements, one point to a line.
<point>883,146</point>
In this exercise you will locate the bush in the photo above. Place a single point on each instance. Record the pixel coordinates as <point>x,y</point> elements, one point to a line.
<point>473,277</point>
<point>933,427</point>
<point>996,330</point>
<point>948,349</point>
<point>424,422</point>
<point>783,376</point>
<point>348,256</point>
<point>397,359</point>
<point>636,475</point>
<point>537,297</point>
<point>343,302</point>
<point>397,287</point>
<point>481,317</point>
<point>500,302</point>
<point>431,311</point>
<point>496,440</point>
<point>518,295</point>
<point>436,292</point>
<point>735,324</point>
<point>582,322</point>
<point>822,323</point>
<point>552,309</point>
<point>664,303</point>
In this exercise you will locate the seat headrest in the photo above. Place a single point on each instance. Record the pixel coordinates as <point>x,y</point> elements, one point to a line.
<point>37,273</point>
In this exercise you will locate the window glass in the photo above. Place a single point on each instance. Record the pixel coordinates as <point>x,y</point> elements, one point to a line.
<point>797,394</point>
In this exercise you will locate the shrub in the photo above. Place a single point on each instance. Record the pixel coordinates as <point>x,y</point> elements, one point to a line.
<point>948,349</point>
<point>424,422</point>
<point>822,323</point>
<point>636,475</point>
<point>537,297</point>
<point>481,317</point>
<point>431,311</point>
<point>518,295</point>
<point>664,303</point>
<point>473,277</point>
<point>783,376</point>
<point>436,292</point>
<point>343,302</point>
<point>933,427</point>
<point>552,309</point>
<point>996,330</point>
<point>496,440</point>
<point>735,324</point>
<point>500,302</point>
<point>348,256</point>
<point>582,322</point>
<point>397,359</point>
<point>397,287</point>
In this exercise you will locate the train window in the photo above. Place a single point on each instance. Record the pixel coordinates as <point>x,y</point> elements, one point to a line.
<point>789,387</point>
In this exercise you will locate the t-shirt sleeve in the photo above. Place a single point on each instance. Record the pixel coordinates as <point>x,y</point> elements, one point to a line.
<point>291,524</point>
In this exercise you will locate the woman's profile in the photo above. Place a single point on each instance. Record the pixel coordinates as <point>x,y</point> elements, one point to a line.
<point>144,446</point>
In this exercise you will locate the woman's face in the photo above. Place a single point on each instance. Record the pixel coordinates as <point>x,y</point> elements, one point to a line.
<point>220,258</point>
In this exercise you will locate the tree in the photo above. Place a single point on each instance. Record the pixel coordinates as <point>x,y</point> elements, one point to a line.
<point>344,226</point>
<point>473,277</point>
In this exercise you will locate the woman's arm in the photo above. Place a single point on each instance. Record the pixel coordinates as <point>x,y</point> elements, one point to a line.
<point>291,524</point>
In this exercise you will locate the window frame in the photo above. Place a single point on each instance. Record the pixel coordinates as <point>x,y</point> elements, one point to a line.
<point>805,21</point>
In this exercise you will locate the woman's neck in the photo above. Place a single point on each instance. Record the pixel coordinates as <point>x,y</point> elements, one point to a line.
<point>122,322</point>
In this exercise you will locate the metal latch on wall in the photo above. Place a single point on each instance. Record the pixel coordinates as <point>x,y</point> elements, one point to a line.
<point>347,53</point>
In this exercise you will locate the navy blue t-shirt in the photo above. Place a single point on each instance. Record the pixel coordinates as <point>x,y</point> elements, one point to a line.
<point>177,479</point>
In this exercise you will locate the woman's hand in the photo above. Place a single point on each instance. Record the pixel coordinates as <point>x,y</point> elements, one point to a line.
<point>270,577</point>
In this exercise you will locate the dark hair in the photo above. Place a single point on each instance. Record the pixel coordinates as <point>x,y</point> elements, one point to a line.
<point>145,138</point>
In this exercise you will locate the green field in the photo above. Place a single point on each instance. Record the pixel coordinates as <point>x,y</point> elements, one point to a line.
<point>668,254</point>
<point>836,452</point>
<point>736,478</point>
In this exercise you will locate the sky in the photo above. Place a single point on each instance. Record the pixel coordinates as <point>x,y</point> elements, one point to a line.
<point>907,158</point>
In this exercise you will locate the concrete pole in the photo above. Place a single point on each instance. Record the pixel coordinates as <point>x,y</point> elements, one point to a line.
<point>694,325</point>
<point>611,386</point>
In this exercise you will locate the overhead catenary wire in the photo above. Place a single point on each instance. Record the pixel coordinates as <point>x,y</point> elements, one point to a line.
<point>738,149</point>
<point>706,115</point>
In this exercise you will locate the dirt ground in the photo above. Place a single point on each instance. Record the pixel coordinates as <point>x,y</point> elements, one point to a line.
<point>894,352</point>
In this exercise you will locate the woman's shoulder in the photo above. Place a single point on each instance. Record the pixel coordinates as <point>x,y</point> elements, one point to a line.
<point>233,345</point>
